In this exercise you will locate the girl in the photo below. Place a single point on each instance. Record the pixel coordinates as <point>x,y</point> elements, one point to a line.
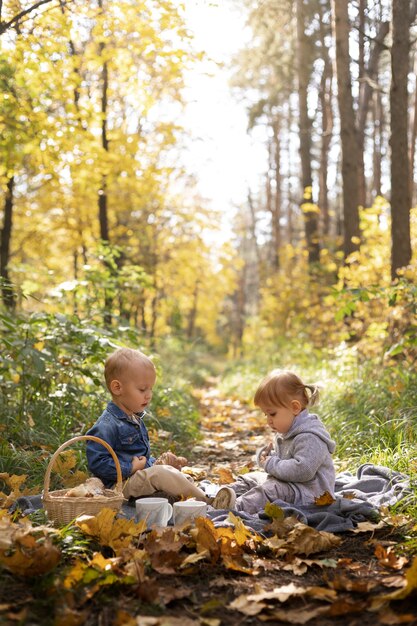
<point>297,466</point>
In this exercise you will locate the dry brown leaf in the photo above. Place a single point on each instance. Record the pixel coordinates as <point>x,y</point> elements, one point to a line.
<point>303,539</point>
<point>387,558</point>
<point>26,550</point>
<point>393,581</point>
<point>343,583</point>
<point>239,563</point>
<point>165,539</point>
<point>390,618</point>
<point>366,527</point>
<point>225,475</point>
<point>167,620</point>
<point>324,500</point>
<point>294,616</point>
<point>411,584</point>
<point>253,604</point>
<point>198,473</point>
<point>344,607</point>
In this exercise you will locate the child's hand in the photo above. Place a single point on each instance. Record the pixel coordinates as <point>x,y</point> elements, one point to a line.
<point>169,458</point>
<point>138,463</point>
<point>265,454</point>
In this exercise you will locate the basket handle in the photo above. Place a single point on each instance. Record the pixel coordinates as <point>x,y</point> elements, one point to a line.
<point>119,484</point>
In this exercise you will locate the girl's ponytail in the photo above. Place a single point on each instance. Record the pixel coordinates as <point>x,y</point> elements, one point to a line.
<point>314,395</point>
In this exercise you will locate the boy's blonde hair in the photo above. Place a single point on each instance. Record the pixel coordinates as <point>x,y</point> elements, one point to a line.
<point>280,387</point>
<point>121,359</point>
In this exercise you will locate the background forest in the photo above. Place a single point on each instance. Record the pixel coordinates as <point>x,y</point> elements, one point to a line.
<point>106,239</point>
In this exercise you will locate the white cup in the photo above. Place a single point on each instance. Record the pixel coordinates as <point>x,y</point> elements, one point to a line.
<point>156,511</point>
<point>188,510</point>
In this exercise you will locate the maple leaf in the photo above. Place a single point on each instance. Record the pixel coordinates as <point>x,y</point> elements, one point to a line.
<point>324,500</point>
<point>241,532</point>
<point>225,475</point>
<point>116,533</point>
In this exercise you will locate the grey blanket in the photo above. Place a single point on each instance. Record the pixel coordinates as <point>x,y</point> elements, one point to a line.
<point>373,486</point>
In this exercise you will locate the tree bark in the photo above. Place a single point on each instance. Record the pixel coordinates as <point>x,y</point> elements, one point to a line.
<point>400,187</point>
<point>8,295</point>
<point>325,96</point>
<point>340,24</point>
<point>102,192</point>
<point>378,113</point>
<point>413,125</point>
<point>305,130</point>
<point>276,201</point>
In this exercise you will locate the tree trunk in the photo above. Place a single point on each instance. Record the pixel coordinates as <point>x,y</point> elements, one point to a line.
<point>413,125</point>
<point>378,139</point>
<point>8,295</point>
<point>340,23</point>
<point>102,192</point>
<point>276,201</point>
<point>400,187</point>
<point>305,130</point>
<point>326,137</point>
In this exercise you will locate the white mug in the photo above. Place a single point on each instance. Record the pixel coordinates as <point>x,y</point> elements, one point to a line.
<point>188,510</point>
<point>156,511</point>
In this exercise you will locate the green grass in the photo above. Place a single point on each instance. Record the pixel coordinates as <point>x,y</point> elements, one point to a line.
<point>370,410</point>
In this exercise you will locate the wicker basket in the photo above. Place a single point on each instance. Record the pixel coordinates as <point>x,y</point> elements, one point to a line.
<point>62,510</point>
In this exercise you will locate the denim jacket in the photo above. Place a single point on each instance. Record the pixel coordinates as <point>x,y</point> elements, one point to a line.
<point>127,439</point>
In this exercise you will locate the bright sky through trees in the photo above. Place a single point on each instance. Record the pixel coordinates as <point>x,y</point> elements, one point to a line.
<point>224,157</point>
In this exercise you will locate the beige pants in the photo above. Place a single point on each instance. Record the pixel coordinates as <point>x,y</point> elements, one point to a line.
<point>161,478</point>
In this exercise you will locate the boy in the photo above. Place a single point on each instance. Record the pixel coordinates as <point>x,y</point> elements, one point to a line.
<point>130,376</point>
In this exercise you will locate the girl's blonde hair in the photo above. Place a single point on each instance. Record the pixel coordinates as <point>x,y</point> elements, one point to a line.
<point>280,387</point>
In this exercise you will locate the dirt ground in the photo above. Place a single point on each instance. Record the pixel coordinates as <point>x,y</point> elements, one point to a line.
<point>346,583</point>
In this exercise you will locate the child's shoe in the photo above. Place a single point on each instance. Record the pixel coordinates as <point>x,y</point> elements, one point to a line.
<point>225,498</point>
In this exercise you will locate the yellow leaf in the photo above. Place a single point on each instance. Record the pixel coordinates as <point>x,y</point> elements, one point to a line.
<point>324,499</point>
<point>242,533</point>
<point>16,378</point>
<point>225,475</point>
<point>39,345</point>
<point>274,511</point>
<point>116,533</point>
<point>66,461</point>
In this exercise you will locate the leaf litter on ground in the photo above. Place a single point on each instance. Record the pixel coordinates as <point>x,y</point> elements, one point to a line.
<point>296,575</point>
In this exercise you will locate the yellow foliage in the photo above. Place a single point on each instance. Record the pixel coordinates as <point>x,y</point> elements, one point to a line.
<point>116,533</point>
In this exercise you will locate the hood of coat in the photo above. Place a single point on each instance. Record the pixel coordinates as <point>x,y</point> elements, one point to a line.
<point>306,422</point>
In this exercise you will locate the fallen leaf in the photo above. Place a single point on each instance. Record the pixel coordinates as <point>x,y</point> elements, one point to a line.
<point>365,527</point>
<point>411,584</point>
<point>324,500</point>
<point>116,533</point>
<point>306,540</point>
<point>390,618</point>
<point>387,558</point>
<point>225,475</point>
<point>274,511</point>
<point>294,616</point>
